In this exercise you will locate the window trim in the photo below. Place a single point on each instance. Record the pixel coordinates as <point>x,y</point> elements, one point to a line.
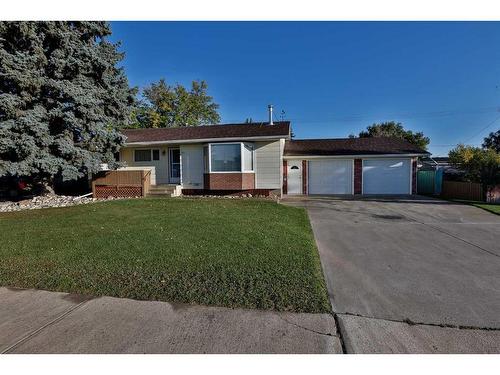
<point>242,156</point>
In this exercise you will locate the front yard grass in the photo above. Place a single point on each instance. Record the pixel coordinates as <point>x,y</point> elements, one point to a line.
<point>493,208</point>
<point>234,253</point>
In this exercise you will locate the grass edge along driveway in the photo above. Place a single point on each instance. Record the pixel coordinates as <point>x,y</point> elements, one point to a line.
<point>494,208</point>
<point>224,252</point>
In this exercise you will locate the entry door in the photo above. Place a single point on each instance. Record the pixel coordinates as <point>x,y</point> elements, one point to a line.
<point>294,177</point>
<point>174,157</point>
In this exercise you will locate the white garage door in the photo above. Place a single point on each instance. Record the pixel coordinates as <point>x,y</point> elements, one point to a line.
<point>330,176</point>
<point>386,176</point>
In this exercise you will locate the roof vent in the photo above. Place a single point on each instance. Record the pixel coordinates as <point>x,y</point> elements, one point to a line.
<point>270,109</point>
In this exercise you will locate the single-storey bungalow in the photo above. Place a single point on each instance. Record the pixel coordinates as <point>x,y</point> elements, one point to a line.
<point>261,158</point>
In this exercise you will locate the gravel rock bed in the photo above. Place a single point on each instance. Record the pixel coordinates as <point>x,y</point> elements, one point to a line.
<point>48,201</point>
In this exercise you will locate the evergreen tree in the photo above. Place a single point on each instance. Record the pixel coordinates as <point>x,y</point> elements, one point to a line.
<point>62,99</point>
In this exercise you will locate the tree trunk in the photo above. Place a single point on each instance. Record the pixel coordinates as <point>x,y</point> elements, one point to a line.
<point>46,186</point>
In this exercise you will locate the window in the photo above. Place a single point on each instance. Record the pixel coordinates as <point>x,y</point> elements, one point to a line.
<point>146,155</point>
<point>142,155</point>
<point>247,157</point>
<point>226,157</point>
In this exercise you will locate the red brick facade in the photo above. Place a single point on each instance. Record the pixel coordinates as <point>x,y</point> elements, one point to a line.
<point>358,176</point>
<point>304,177</point>
<point>253,192</point>
<point>414,176</point>
<point>229,181</point>
<point>285,177</point>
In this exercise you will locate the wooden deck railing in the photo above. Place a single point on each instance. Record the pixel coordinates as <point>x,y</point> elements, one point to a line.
<point>121,183</point>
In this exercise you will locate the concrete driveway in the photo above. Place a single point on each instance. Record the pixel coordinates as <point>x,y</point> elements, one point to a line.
<point>411,274</point>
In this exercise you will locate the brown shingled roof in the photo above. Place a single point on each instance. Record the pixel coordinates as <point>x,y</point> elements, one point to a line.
<point>351,146</point>
<point>279,130</point>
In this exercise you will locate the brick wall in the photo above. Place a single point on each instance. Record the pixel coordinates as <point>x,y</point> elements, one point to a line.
<point>304,177</point>
<point>253,192</point>
<point>285,177</point>
<point>358,176</point>
<point>229,181</point>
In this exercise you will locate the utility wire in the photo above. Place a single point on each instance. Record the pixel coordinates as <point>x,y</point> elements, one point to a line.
<point>403,115</point>
<point>483,129</point>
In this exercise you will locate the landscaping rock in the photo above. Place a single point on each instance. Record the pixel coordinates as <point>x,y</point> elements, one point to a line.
<point>46,201</point>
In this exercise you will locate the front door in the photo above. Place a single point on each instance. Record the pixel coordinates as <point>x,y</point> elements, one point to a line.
<point>294,177</point>
<point>174,157</point>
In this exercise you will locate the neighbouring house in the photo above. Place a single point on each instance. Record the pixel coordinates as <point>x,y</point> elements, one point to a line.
<point>261,158</point>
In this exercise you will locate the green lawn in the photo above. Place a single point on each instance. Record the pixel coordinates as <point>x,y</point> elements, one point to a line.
<point>235,253</point>
<point>494,208</point>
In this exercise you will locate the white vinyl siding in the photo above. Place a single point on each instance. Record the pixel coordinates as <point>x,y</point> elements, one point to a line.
<point>192,166</point>
<point>268,165</point>
<point>386,176</point>
<point>159,168</point>
<point>331,176</point>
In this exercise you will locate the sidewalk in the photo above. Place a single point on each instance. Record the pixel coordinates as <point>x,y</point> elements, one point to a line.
<point>34,321</point>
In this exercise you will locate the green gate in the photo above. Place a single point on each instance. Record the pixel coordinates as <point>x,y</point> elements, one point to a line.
<point>426,182</point>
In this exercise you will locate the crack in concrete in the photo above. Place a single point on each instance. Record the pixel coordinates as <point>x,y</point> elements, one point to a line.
<point>38,330</point>
<point>339,333</point>
<point>413,323</point>
<point>306,328</point>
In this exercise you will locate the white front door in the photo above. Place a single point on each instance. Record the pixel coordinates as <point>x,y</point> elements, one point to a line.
<point>174,157</point>
<point>294,177</point>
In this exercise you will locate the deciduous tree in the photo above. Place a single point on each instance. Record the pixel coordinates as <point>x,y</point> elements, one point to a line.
<point>168,106</point>
<point>493,141</point>
<point>480,164</point>
<point>395,129</point>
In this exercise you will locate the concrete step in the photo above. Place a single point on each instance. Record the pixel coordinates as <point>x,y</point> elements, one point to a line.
<point>161,195</point>
<point>165,190</point>
<point>162,190</point>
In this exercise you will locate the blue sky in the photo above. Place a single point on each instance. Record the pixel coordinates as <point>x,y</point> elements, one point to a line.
<point>332,78</point>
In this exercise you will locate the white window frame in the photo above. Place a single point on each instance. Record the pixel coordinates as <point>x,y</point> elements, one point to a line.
<point>143,161</point>
<point>242,157</point>
<point>151,160</point>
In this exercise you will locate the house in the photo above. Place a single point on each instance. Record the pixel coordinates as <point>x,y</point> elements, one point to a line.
<point>261,158</point>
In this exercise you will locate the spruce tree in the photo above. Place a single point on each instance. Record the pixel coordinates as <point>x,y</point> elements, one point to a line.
<point>62,99</point>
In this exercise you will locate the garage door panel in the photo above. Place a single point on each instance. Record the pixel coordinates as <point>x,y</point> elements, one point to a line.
<point>386,176</point>
<point>330,176</point>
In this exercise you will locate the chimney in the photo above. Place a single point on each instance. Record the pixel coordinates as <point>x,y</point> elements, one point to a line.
<point>270,108</point>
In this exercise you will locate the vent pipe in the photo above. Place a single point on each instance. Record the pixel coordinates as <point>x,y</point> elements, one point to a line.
<point>270,108</point>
